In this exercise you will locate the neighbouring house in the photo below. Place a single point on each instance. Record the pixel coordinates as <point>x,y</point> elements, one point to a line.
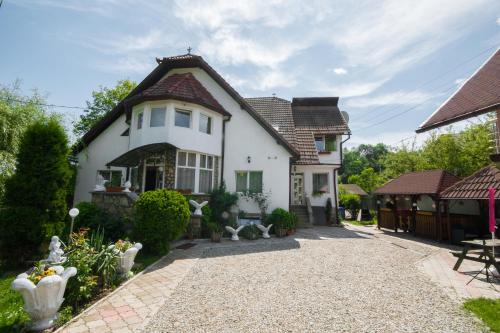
<point>479,95</point>
<point>185,128</point>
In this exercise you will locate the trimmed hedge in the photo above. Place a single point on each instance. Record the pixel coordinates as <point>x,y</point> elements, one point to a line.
<point>160,217</point>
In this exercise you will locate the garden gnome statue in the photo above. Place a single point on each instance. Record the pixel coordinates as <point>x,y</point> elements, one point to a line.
<point>198,207</point>
<point>55,255</point>
<point>100,184</point>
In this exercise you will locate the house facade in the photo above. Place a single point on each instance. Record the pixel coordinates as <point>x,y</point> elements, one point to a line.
<point>184,127</point>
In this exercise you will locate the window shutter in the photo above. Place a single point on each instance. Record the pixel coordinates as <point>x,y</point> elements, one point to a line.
<point>241,181</point>
<point>331,144</point>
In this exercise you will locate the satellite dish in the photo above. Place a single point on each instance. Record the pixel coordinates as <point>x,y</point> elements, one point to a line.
<point>345,115</point>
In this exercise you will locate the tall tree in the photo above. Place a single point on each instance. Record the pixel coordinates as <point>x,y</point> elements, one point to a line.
<point>103,101</point>
<point>368,180</point>
<point>35,196</point>
<point>17,112</point>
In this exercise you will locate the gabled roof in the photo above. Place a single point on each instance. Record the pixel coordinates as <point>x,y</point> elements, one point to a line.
<point>478,95</point>
<point>431,182</point>
<point>299,121</point>
<point>475,186</point>
<point>184,87</point>
<point>353,189</point>
<point>164,66</point>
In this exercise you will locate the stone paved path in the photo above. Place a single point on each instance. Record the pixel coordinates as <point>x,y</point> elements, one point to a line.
<point>132,307</point>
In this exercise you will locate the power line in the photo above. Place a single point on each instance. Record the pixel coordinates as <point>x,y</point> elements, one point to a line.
<point>43,104</point>
<point>435,78</point>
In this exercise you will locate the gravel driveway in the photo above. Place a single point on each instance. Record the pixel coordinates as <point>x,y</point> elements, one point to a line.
<point>323,280</point>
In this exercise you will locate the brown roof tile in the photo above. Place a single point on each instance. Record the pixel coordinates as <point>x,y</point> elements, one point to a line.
<point>480,94</point>
<point>475,186</point>
<point>184,87</point>
<point>431,182</point>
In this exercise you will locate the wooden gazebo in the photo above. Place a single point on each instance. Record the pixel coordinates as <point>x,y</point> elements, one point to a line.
<point>412,202</point>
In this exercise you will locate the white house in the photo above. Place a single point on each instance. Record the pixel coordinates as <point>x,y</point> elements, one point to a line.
<point>184,127</point>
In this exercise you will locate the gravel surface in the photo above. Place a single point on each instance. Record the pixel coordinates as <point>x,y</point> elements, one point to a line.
<point>324,280</point>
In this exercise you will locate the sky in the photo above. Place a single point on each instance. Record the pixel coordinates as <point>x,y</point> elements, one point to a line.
<point>391,62</point>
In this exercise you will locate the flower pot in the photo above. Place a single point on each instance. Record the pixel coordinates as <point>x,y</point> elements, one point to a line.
<point>215,236</point>
<point>114,189</point>
<point>280,232</point>
<point>125,260</point>
<point>43,300</point>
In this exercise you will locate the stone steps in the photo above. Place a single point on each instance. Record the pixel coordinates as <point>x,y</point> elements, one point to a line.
<point>302,216</point>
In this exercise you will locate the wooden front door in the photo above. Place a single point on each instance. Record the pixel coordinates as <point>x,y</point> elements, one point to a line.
<point>298,189</point>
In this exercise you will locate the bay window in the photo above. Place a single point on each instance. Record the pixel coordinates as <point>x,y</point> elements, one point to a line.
<point>140,117</point>
<point>195,172</point>
<point>182,118</point>
<point>157,117</point>
<point>249,181</point>
<point>205,124</point>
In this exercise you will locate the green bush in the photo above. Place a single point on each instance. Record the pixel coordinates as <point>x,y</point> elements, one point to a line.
<point>39,185</point>
<point>279,218</point>
<point>221,202</point>
<point>250,232</point>
<point>95,218</point>
<point>160,217</point>
<point>292,223</point>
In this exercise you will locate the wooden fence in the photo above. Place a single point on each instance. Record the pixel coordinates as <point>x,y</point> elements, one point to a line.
<point>426,225</point>
<point>386,219</point>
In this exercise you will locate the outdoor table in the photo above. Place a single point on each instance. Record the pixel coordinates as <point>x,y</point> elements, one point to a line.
<point>485,254</point>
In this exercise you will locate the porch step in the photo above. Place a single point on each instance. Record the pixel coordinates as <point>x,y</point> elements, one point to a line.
<point>302,216</point>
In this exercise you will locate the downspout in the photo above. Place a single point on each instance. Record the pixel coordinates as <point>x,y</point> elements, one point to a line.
<point>223,149</point>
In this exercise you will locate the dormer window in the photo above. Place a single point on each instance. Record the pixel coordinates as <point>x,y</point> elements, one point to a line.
<point>182,118</point>
<point>325,144</point>
<point>157,117</point>
<point>205,124</point>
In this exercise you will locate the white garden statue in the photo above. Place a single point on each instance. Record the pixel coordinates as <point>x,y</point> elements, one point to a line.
<point>265,230</point>
<point>234,233</point>
<point>127,186</point>
<point>198,207</point>
<point>43,300</point>
<point>125,260</point>
<point>101,182</point>
<point>56,253</point>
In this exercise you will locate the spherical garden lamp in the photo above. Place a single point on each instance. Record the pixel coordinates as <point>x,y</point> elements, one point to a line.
<point>73,212</point>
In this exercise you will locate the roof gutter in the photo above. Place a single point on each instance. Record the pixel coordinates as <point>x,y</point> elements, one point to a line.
<point>342,149</point>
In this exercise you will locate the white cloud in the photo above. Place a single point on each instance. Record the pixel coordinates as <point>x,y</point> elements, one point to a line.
<point>498,21</point>
<point>347,90</point>
<point>339,70</point>
<point>460,81</point>
<point>127,65</point>
<point>391,138</point>
<point>394,98</point>
<point>274,79</point>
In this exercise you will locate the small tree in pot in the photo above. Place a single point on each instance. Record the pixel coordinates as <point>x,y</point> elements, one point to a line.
<point>280,219</point>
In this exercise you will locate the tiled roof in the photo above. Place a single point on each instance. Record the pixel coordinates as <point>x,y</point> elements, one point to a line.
<point>278,113</point>
<point>431,182</point>
<point>478,95</point>
<point>475,186</point>
<point>299,122</point>
<point>184,87</point>
<point>353,189</point>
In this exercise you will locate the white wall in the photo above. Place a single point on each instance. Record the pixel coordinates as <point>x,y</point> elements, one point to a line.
<point>103,149</point>
<point>183,138</point>
<point>307,171</point>
<point>245,137</point>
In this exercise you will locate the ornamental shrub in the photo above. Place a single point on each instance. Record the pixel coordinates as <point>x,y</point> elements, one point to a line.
<point>95,218</point>
<point>280,219</point>
<point>160,217</point>
<point>38,186</point>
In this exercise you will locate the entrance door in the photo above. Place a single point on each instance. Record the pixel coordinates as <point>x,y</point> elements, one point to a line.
<point>151,177</point>
<point>298,189</point>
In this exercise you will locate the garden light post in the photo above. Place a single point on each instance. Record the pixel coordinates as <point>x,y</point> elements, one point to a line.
<point>73,212</point>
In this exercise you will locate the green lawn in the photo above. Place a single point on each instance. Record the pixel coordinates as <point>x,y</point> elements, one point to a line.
<point>354,222</point>
<point>486,309</point>
<point>12,314</point>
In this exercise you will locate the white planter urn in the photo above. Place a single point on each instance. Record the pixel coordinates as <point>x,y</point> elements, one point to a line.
<point>126,259</point>
<point>43,300</point>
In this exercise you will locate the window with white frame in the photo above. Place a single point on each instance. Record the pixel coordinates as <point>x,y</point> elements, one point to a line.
<point>182,118</point>
<point>205,124</point>
<point>249,181</point>
<point>206,173</point>
<point>113,177</point>
<point>320,183</point>
<point>186,171</point>
<point>140,117</point>
<point>157,117</point>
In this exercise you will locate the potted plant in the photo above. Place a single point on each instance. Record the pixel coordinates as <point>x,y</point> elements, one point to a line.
<point>280,218</point>
<point>126,252</point>
<point>112,188</point>
<point>292,223</point>
<point>216,231</point>
<point>42,289</point>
